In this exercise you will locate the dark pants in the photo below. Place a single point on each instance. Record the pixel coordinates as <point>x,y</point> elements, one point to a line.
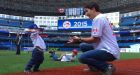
<point>36,60</point>
<point>95,58</point>
<point>18,49</point>
<point>54,56</point>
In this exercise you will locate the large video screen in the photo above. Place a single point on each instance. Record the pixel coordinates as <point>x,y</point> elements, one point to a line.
<point>75,24</point>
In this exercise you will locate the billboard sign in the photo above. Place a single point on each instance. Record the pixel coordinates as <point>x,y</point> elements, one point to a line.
<point>75,24</point>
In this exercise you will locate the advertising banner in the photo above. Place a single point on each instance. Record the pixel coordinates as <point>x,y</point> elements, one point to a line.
<point>75,24</point>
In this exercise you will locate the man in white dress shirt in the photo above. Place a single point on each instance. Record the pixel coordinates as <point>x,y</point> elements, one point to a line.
<point>102,40</point>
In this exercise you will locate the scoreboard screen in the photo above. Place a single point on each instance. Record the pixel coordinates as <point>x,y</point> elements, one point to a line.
<point>75,24</point>
<point>74,11</point>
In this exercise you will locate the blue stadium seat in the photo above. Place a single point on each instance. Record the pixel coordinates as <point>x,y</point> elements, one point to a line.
<point>123,32</point>
<point>26,24</point>
<point>14,23</point>
<point>127,17</point>
<point>127,22</point>
<point>127,44</point>
<point>138,21</point>
<point>3,22</point>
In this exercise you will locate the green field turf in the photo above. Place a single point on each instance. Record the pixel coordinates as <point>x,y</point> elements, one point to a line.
<point>11,63</point>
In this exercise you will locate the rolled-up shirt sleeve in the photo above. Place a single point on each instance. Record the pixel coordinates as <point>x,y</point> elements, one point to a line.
<point>97,28</point>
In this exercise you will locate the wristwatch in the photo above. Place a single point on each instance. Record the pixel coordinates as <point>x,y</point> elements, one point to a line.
<point>80,39</point>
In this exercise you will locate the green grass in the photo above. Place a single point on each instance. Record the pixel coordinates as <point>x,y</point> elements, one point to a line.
<point>125,56</point>
<point>11,63</point>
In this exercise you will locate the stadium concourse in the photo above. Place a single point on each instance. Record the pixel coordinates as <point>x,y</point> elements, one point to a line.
<point>123,67</point>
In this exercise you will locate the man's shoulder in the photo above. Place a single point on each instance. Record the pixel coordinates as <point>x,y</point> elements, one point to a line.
<point>101,17</point>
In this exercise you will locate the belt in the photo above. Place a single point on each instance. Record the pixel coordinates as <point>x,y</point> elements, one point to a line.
<point>39,49</point>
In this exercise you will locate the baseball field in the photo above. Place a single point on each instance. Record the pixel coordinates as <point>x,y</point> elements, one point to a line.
<point>12,64</point>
